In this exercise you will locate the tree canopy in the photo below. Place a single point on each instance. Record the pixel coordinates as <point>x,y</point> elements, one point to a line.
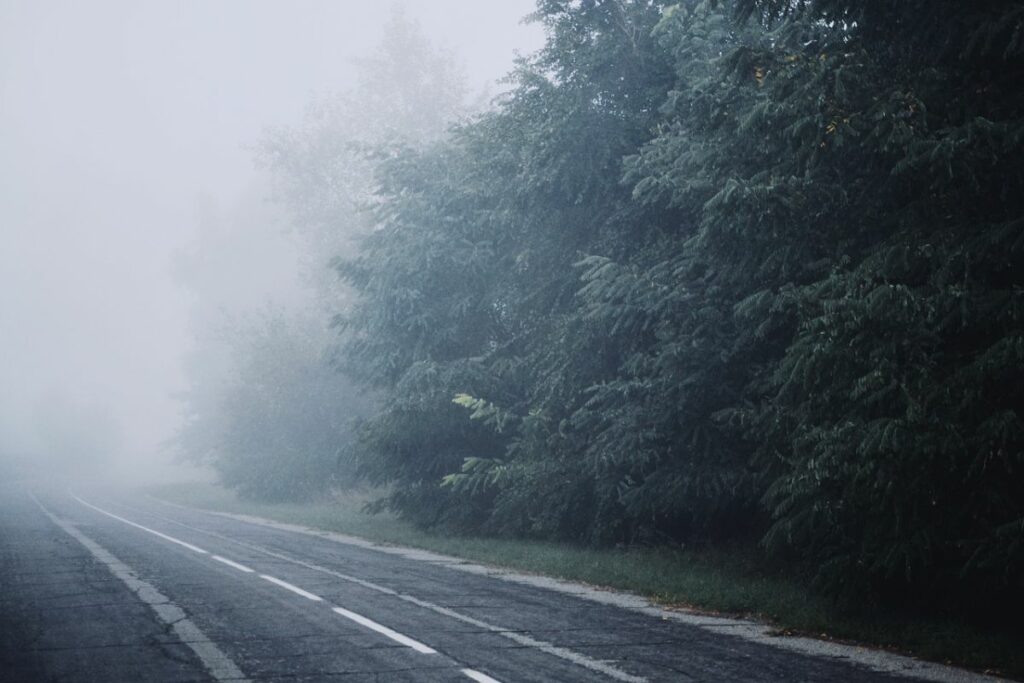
<point>719,270</point>
<point>709,271</point>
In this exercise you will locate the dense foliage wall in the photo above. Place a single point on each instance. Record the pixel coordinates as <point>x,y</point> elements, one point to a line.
<point>859,182</point>
<point>719,270</point>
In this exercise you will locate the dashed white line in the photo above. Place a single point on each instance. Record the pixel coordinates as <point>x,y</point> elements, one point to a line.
<point>358,618</point>
<point>384,630</point>
<point>571,656</point>
<point>292,587</point>
<point>183,544</point>
<point>479,677</point>
<point>219,664</point>
<point>232,563</point>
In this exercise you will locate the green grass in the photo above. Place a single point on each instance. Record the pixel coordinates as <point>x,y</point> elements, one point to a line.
<point>727,582</point>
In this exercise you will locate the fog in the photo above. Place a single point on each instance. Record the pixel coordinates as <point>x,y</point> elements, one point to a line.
<point>130,204</point>
<point>735,288</point>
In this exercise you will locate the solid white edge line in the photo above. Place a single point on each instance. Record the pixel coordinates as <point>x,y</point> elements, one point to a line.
<point>359,619</point>
<point>874,660</point>
<point>232,563</point>
<point>384,630</point>
<point>522,639</point>
<point>183,544</point>
<point>568,655</point>
<point>292,587</point>
<point>215,660</point>
<point>479,677</point>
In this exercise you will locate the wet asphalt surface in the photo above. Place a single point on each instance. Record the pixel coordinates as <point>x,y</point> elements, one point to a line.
<point>66,616</point>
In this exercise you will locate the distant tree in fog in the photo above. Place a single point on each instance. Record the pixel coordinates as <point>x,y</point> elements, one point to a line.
<point>406,95</point>
<point>266,408</point>
<point>285,417</point>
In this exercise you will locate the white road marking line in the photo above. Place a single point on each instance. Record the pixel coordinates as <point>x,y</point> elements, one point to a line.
<point>231,563</point>
<point>880,661</point>
<point>191,547</point>
<point>292,587</point>
<point>525,640</point>
<point>220,666</point>
<point>384,630</point>
<point>520,638</point>
<point>479,677</point>
<point>358,618</point>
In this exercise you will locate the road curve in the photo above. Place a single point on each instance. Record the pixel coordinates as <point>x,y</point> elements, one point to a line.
<point>116,586</point>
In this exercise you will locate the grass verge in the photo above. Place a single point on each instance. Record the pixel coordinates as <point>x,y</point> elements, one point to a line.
<point>726,582</point>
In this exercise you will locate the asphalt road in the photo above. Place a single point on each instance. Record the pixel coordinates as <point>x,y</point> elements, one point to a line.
<point>99,586</point>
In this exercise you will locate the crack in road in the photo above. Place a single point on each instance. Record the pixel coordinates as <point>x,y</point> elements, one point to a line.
<point>218,664</point>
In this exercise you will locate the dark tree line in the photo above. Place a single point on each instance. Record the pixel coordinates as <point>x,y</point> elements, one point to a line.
<point>745,270</point>
<point>719,270</point>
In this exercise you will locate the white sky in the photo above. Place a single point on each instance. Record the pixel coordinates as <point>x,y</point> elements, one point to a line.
<point>114,117</point>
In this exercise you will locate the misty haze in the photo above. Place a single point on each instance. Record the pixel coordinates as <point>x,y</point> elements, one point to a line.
<point>511,340</point>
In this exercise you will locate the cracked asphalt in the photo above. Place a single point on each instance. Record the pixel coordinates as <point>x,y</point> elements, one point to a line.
<point>66,616</point>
